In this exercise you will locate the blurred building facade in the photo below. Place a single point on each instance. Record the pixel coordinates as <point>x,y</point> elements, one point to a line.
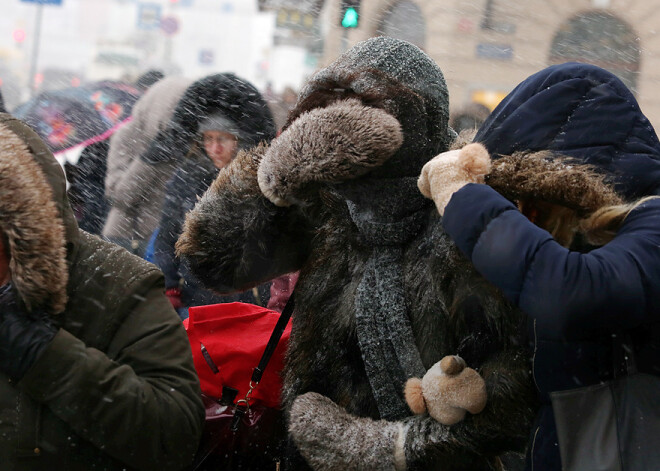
<point>486,47</point>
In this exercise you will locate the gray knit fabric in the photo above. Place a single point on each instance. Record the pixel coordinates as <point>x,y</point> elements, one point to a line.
<point>385,335</point>
<point>399,59</point>
<point>427,130</point>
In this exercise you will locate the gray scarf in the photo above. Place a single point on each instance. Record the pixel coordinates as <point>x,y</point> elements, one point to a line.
<point>386,223</point>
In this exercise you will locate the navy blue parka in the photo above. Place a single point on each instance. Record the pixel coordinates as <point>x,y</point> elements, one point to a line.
<point>576,301</point>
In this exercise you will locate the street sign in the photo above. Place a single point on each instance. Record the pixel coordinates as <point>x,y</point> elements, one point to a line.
<point>148,17</point>
<point>206,56</point>
<point>44,2</point>
<point>495,51</point>
<point>294,19</point>
<point>169,25</point>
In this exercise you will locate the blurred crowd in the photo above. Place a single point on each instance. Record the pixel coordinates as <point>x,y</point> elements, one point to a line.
<point>134,185</point>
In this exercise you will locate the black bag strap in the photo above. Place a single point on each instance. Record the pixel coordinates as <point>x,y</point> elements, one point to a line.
<point>243,405</point>
<point>274,339</point>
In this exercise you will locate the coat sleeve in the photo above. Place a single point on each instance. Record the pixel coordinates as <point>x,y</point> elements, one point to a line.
<point>235,238</point>
<point>130,180</point>
<point>139,401</point>
<point>570,294</point>
<point>169,229</point>
<point>121,154</point>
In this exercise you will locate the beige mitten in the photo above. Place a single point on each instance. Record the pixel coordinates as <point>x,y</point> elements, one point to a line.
<point>448,172</point>
<point>448,390</point>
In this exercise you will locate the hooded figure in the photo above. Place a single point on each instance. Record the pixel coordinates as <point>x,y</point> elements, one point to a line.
<point>382,293</point>
<point>95,366</point>
<point>571,148</point>
<point>220,114</point>
<point>136,189</point>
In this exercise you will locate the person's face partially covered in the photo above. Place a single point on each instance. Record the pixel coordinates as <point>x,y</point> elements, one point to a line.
<point>220,146</point>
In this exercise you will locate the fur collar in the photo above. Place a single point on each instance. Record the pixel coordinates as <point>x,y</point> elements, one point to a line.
<point>545,176</point>
<point>34,230</point>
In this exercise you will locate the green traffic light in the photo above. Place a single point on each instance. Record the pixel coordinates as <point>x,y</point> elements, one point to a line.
<point>350,19</point>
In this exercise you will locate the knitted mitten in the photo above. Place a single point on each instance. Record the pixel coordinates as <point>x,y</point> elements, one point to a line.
<point>448,172</point>
<point>330,438</point>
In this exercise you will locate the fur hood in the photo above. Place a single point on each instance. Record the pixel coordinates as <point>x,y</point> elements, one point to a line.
<point>399,78</point>
<point>543,176</point>
<point>33,211</point>
<point>592,146</point>
<point>227,94</point>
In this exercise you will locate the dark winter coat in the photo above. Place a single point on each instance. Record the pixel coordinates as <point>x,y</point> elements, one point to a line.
<point>188,183</point>
<point>576,300</point>
<point>241,103</point>
<point>87,190</point>
<point>236,238</point>
<point>116,388</point>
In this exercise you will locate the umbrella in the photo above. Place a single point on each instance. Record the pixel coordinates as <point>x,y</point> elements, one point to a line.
<point>79,116</point>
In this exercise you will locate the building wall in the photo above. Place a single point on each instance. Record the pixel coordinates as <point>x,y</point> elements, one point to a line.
<point>490,62</point>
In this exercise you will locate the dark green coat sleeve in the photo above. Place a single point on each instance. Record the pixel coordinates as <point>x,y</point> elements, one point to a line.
<point>139,401</point>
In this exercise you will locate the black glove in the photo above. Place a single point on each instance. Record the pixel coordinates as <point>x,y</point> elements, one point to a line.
<point>23,336</point>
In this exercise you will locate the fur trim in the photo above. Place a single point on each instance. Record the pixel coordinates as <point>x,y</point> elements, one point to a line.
<point>34,229</point>
<point>340,142</point>
<point>543,176</point>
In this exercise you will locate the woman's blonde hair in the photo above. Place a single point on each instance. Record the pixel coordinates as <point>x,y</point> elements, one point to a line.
<point>564,224</point>
<point>601,226</point>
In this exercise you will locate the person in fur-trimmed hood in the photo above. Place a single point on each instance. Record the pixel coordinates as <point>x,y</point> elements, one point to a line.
<point>382,293</point>
<point>564,228</point>
<point>227,114</point>
<point>95,366</point>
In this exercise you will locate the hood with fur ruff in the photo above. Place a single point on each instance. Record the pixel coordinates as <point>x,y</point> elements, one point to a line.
<point>35,217</point>
<point>590,131</point>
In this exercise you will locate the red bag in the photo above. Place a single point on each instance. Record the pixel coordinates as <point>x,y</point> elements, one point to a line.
<point>234,336</point>
<point>238,350</point>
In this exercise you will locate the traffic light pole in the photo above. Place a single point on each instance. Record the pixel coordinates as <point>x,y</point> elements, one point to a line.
<point>35,51</point>
<point>344,40</point>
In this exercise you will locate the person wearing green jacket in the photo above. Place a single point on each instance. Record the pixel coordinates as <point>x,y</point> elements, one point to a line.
<point>95,367</point>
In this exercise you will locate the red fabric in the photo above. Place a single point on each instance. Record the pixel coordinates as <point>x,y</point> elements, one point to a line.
<point>235,335</point>
<point>174,295</point>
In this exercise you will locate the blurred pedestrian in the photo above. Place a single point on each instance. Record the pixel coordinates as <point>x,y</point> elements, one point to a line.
<point>469,118</point>
<point>135,188</point>
<point>281,105</point>
<point>148,79</point>
<point>95,366</point>
<point>2,103</point>
<point>227,114</point>
<point>86,187</point>
<point>564,230</point>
